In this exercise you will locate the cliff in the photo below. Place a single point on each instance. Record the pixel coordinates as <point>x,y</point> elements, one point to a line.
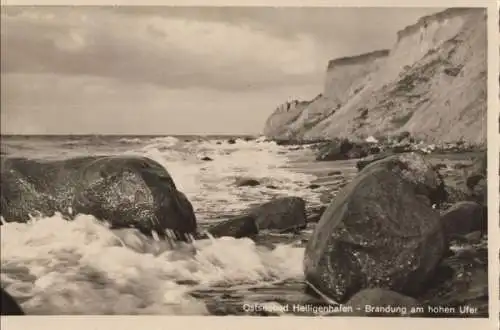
<point>432,83</point>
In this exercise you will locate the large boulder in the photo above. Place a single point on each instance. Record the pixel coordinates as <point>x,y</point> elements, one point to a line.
<point>379,231</point>
<point>123,191</point>
<point>8,305</point>
<point>463,218</point>
<point>281,214</point>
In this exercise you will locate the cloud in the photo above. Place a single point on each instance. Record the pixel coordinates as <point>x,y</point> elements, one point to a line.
<point>167,51</point>
<point>173,70</point>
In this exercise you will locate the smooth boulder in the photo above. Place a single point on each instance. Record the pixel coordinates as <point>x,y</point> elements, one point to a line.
<point>282,214</point>
<point>238,227</point>
<point>9,305</point>
<point>246,182</point>
<point>463,218</point>
<point>124,191</point>
<point>379,231</point>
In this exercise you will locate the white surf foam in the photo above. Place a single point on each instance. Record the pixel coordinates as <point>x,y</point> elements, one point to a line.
<point>81,267</point>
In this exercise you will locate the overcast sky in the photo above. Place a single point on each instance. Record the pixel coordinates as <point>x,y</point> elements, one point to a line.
<point>174,70</point>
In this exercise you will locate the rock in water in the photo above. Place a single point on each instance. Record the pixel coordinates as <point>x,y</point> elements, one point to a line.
<point>246,182</point>
<point>341,150</point>
<point>477,179</point>
<point>238,227</point>
<point>379,231</point>
<point>124,191</point>
<point>283,214</point>
<point>463,218</point>
<point>9,306</point>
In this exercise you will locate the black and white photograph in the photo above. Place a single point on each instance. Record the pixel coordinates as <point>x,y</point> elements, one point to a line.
<point>244,161</point>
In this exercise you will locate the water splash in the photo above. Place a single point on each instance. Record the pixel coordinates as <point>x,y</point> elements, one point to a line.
<point>54,266</point>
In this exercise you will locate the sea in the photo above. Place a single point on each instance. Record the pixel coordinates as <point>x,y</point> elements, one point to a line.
<point>53,266</point>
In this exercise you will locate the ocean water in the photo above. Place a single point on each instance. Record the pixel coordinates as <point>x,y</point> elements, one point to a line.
<point>81,267</point>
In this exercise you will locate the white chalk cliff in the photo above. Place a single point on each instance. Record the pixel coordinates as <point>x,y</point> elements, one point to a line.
<point>432,83</point>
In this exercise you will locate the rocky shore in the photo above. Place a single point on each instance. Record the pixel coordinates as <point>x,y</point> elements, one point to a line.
<point>399,227</point>
<point>400,223</point>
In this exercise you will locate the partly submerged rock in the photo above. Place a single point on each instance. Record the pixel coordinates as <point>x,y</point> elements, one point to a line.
<point>282,214</point>
<point>246,182</point>
<point>379,231</point>
<point>124,191</point>
<point>343,149</point>
<point>463,218</point>
<point>477,179</point>
<point>9,305</point>
<point>241,226</point>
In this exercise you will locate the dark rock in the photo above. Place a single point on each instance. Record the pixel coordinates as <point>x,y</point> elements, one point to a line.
<point>466,285</point>
<point>374,150</point>
<point>124,191</point>
<point>8,305</point>
<point>335,150</point>
<point>362,163</point>
<point>246,182</point>
<point>473,180</point>
<point>231,141</point>
<point>314,186</point>
<point>440,166</point>
<point>337,172</point>
<point>477,179</point>
<point>401,305</point>
<point>380,231</point>
<point>270,186</point>
<point>218,142</point>
<point>242,226</point>
<point>398,149</point>
<point>282,214</point>
<point>357,151</point>
<point>452,71</point>
<point>463,218</point>
<point>207,159</point>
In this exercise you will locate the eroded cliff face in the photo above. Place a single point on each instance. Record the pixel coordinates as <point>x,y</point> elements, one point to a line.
<point>432,83</point>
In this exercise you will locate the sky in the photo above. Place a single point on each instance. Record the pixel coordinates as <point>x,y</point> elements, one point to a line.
<point>174,70</point>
